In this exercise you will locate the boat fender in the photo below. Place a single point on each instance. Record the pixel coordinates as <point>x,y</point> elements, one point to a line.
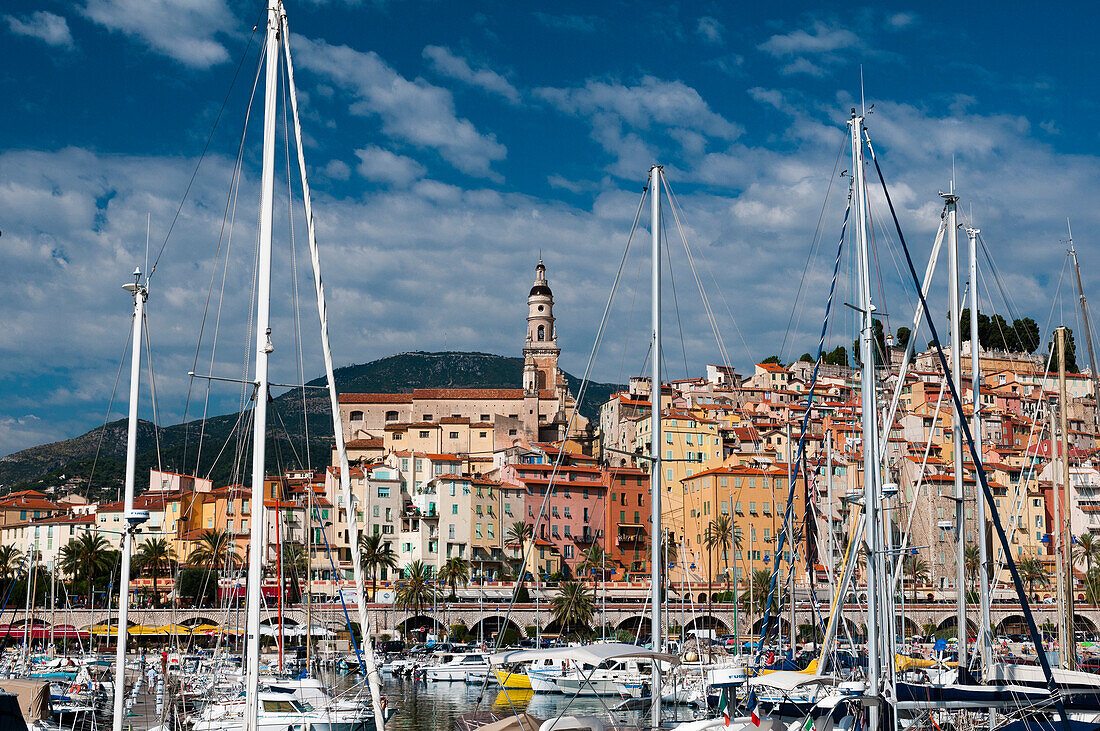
<point>383,703</point>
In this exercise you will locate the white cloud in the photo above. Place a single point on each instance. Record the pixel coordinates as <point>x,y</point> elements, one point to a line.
<point>898,21</point>
<point>456,67</point>
<point>186,32</point>
<point>386,167</point>
<point>337,170</point>
<point>48,27</point>
<point>709,29</point>
<point>416,112</point>
<point>616,110</point>
<point>821,38</point>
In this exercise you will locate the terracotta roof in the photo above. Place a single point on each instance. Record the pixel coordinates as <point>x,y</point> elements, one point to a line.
<point>376,398</point>
<point>455,420</point>
<point>364,444</point>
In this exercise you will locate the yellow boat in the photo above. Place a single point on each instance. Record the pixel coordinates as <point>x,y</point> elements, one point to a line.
<point>513,680</point>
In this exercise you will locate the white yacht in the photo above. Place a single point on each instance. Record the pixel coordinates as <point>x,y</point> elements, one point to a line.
<point>280,711</point>
<point>457,666</point>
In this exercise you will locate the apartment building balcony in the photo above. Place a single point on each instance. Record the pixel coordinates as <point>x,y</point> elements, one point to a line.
<point>630,534</point>
<point>584,539</point>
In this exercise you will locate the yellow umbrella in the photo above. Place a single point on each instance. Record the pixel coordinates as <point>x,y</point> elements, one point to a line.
<point>205,629</point>
<point>104,630</point>
<point>175,629</point>
<point>140,629</point>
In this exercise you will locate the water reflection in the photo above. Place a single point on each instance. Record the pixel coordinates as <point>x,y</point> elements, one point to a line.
<point>435,706</point>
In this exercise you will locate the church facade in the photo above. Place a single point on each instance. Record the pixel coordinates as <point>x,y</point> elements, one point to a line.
<point>537,411</point>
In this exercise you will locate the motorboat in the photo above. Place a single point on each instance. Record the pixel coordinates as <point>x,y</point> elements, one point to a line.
<point>457,667</point>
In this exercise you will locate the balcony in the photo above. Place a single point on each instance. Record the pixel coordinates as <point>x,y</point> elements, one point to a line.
<point>584,539</point>
<point>630,534</point>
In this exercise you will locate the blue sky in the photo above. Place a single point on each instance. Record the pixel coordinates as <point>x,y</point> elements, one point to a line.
<point>449,143</point>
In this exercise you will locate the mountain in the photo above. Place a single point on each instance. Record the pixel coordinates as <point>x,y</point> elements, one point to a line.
<point>100,454</point>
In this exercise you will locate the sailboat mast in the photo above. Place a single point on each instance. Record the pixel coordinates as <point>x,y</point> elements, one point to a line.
<point>956,426</point>
<point>140,294</point>
<point>1070,648</point>
<point>985,639</point>
<point>263,350</point>
<point>870,418</point>
<point>1087,322</point>
<point>374,681</point>
<point>656,486</point>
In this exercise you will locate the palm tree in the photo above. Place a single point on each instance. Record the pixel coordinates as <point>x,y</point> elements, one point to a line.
<point>374,554</point>
<point>1033,572</point>
<point>719,535</point>
<point>519,533</point>
<point>154,555</point>
<point>11,558</point>
<point>87,556</point>
<point>594,560</point>
<point>756,595</point>
<point>295,566</point>
<point>455,571</point>
<point>573,606</point>
<point>1087,550</point>
<point>213,546</point>
<point>416,591</point>
<point>1092,586</point>
<point>916,568</point>
<point>972,563</point>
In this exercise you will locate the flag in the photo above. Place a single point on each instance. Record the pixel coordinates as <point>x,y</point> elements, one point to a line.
<point>754,708</point>
<point>724,706</point>
<point>809,725</point>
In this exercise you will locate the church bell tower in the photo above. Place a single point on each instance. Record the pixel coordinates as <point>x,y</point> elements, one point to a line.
<point>540,353</point>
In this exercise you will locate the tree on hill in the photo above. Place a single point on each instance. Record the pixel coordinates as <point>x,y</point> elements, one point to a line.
<point>903,336</point>
<point>806,358</point>
<point>838,356</point>
<point>772,359</point>
<point>1071,353</point>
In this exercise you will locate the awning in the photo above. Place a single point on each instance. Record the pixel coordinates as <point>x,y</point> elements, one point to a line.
<point>589,654</point>
<point>140,630</point>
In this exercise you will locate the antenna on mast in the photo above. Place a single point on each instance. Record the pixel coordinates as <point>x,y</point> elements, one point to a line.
<point>862,96</point>
<point>1069,229</point>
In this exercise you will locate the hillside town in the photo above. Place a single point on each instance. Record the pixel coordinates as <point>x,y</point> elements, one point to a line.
<point>461,476</point>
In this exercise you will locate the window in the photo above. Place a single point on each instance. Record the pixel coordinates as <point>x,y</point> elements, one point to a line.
<point>511,432</point>
<point>451,531</point>
<point>427,417</point>
<point>554,531</point>
<point>377,511</point>
<point>384,491</point>
<point>566,511</point>
<point>668,437</point>
<point>568,532</point>
<point>477,530</point>
<point>244,525</point>
<point>356,416</point>
<point>229,525</point>
<point>424,434</point>
<point>391,416</point>
<point>542,333</point>
<point>752,507</point>
<point>725,507</point>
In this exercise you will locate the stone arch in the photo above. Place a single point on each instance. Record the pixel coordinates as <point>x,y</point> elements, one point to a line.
<point>637,624</point>
<point>418,625</point>
<point>705,622</point>
<point>702,599</point>
<point>951,624</point>
<point>912,629</point>
<point>1081,623</point>
<point>489,627</point>
<point>1013,624</point>
<point>198,620</point>
<point>784,625</point>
